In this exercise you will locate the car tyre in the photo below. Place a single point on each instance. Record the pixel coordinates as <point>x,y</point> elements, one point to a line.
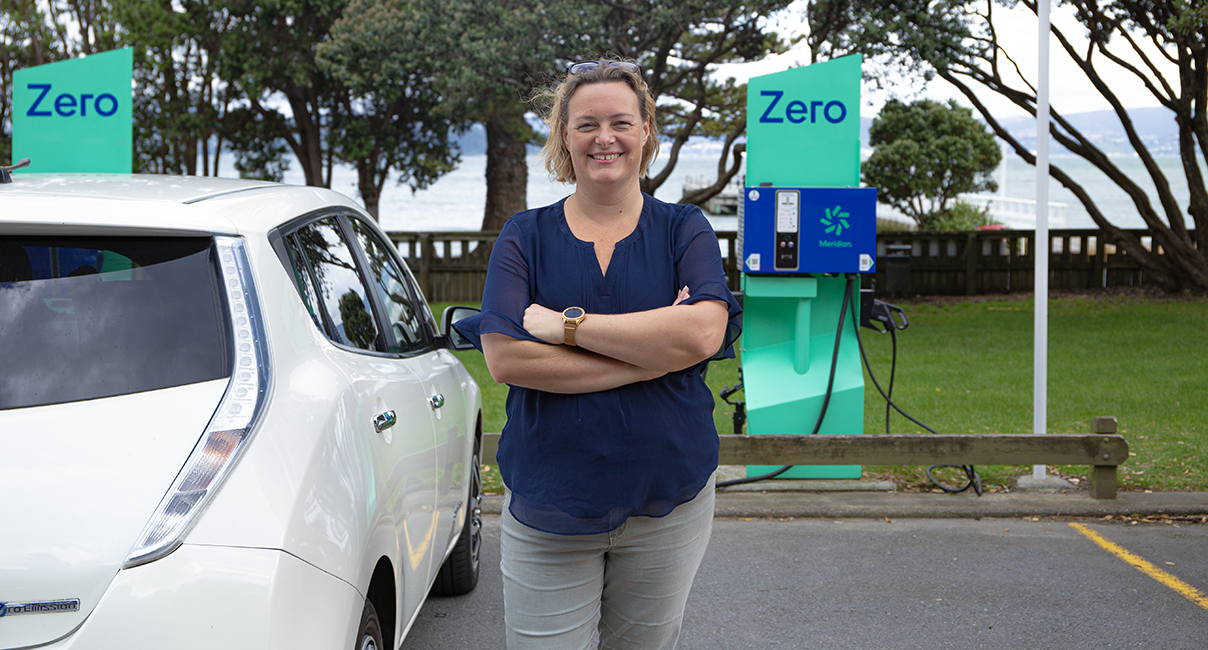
<point>459,574</point>
<point>369,636</point>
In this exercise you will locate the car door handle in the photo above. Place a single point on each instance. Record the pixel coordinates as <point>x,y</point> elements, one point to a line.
<point>436,401</point>
<point>383,421</point>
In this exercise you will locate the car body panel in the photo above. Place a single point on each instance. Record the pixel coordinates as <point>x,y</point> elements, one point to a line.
<point>234,598</point>
<point>113,459</point>
<point>317,490</point>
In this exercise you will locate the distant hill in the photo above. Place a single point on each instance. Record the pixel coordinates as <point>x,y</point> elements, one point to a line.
<point>474,141</point>
<point>1156,126</point>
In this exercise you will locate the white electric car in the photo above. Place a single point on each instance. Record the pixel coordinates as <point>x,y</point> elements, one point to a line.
<point>228,419</point>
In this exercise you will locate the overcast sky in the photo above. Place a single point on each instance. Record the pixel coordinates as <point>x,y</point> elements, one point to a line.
<point>1018,29</point>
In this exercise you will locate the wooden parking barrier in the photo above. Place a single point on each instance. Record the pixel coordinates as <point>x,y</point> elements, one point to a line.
<point>1103,451</point>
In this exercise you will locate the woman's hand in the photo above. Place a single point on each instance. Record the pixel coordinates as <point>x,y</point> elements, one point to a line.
<point>549,326</point>
<point>545,324</point>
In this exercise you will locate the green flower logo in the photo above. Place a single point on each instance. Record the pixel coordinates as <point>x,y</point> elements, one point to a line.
<point>835,221</point>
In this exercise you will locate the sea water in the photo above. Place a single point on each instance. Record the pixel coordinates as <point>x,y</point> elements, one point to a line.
<point>1111,200</point>
<point>456,201</point>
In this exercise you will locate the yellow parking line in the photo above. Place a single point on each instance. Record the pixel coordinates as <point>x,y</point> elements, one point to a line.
<point>1184,589</point>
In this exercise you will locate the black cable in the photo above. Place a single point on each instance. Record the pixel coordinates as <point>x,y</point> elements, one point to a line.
<point>970,471</point>
<point>893,370</point>
<point>830,384</point>
<point>868,366</point>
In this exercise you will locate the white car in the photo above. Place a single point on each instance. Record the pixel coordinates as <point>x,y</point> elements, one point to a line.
<point>228,419</point>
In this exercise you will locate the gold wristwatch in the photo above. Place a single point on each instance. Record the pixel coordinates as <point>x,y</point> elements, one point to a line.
<point>571,317</point>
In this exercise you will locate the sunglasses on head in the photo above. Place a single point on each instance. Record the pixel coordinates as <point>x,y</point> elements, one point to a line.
<point>579,67</point>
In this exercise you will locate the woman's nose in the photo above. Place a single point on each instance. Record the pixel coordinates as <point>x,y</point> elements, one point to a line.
<point>605,135</point>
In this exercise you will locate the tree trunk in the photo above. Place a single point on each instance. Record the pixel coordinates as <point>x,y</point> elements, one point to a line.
<point>370,189</point>
<point>308,147</point>
<point>1182,267</point>
<point>507,169</point>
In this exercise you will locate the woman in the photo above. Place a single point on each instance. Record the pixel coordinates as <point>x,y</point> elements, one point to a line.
<point>600,311</point>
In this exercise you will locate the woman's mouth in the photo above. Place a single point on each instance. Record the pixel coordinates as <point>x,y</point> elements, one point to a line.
<point>605,156</point>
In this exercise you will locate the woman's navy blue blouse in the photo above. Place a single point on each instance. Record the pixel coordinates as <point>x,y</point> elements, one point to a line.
<point>584,463</point>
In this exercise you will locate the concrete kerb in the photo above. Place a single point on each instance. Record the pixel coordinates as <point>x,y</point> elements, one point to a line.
<point>780,503</point>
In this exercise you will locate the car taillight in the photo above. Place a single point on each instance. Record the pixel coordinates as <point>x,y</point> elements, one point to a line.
<point>233,423</point>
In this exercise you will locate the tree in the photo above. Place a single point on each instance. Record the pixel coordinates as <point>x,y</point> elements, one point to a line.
<point>926,153</point>
<point>389,114</point>
<point>962,217</point>
<point>179,101</point>
<point>492,54</point>
<point>497,53</point>
<point>342,105</point>
<point>678,44</point>
<point>1163,44</point>
<point>269,51</point>
<point>480,60</point>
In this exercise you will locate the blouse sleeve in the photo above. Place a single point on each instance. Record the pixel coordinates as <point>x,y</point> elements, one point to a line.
<point>698,265</point>
<point>506,294</point>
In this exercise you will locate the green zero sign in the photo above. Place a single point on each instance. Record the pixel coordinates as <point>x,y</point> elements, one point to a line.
<point>75,116</point>
<point>803,126</point>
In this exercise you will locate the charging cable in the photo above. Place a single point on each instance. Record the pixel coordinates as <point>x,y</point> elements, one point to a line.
<point>883,313</point>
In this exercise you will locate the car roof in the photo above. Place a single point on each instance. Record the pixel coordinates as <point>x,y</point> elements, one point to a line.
<point>155,203</point>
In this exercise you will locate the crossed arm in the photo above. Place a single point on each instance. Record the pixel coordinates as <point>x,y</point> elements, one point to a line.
<point>613,349</point>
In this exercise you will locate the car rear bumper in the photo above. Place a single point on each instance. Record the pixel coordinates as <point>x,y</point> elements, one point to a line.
<point>222,597</point>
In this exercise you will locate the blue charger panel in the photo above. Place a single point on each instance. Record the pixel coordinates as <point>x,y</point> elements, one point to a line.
<point>790,230</point>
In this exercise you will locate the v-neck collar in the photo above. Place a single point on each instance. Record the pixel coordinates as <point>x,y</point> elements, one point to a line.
<point>622,243</point>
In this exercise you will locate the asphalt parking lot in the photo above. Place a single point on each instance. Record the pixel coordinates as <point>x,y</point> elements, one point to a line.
<point>1020,580</point>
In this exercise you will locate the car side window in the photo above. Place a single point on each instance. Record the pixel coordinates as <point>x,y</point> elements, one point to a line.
<point>341,293</point>
<point>304,283</point>
<point>403,314</point>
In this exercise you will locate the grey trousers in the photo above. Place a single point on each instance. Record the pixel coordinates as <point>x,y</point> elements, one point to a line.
<point>628,587</point>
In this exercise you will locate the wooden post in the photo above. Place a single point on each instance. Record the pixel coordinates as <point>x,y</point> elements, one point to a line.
<point>1099,258</point>
<point>972,250</point>
<point>425,264</point>
<point>1103,477</point>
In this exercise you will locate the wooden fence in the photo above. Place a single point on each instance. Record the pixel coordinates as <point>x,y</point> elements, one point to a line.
<point>1103,451</point>
<point>451,266</point>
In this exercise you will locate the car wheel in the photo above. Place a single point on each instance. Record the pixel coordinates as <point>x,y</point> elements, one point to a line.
<point>459,574</point>
<point>369,636</point>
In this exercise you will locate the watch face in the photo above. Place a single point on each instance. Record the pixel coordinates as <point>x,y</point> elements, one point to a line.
<point>573,312</point>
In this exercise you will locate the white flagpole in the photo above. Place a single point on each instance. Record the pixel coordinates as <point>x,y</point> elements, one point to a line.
<point>1040,245</point>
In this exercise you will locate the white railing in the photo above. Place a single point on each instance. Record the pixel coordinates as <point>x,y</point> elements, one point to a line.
<point>725,202</point>
<point>1019,214</point>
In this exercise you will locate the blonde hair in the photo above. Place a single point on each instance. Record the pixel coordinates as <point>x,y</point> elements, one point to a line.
<point>555,106</point>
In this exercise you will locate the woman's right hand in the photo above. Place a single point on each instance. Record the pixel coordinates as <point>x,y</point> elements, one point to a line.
<point>545,324</point>
<point>681,296</point>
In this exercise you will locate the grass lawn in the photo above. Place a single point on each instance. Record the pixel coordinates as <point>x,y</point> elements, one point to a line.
<point>966,367</point>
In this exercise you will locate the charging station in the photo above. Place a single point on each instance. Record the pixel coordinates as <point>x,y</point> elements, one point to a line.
<point>806,230</point>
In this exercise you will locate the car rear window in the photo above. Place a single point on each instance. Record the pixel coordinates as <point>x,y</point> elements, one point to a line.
<point>89,317</point>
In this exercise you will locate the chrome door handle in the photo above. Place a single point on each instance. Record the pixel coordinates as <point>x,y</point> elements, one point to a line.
<point>436,401</point>
<point>383,421</point>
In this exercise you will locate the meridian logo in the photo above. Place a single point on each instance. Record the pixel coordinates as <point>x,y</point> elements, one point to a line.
<point>835,221</point>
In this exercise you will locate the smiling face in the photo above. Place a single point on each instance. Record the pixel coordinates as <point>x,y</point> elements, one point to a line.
<point>605,133</point>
